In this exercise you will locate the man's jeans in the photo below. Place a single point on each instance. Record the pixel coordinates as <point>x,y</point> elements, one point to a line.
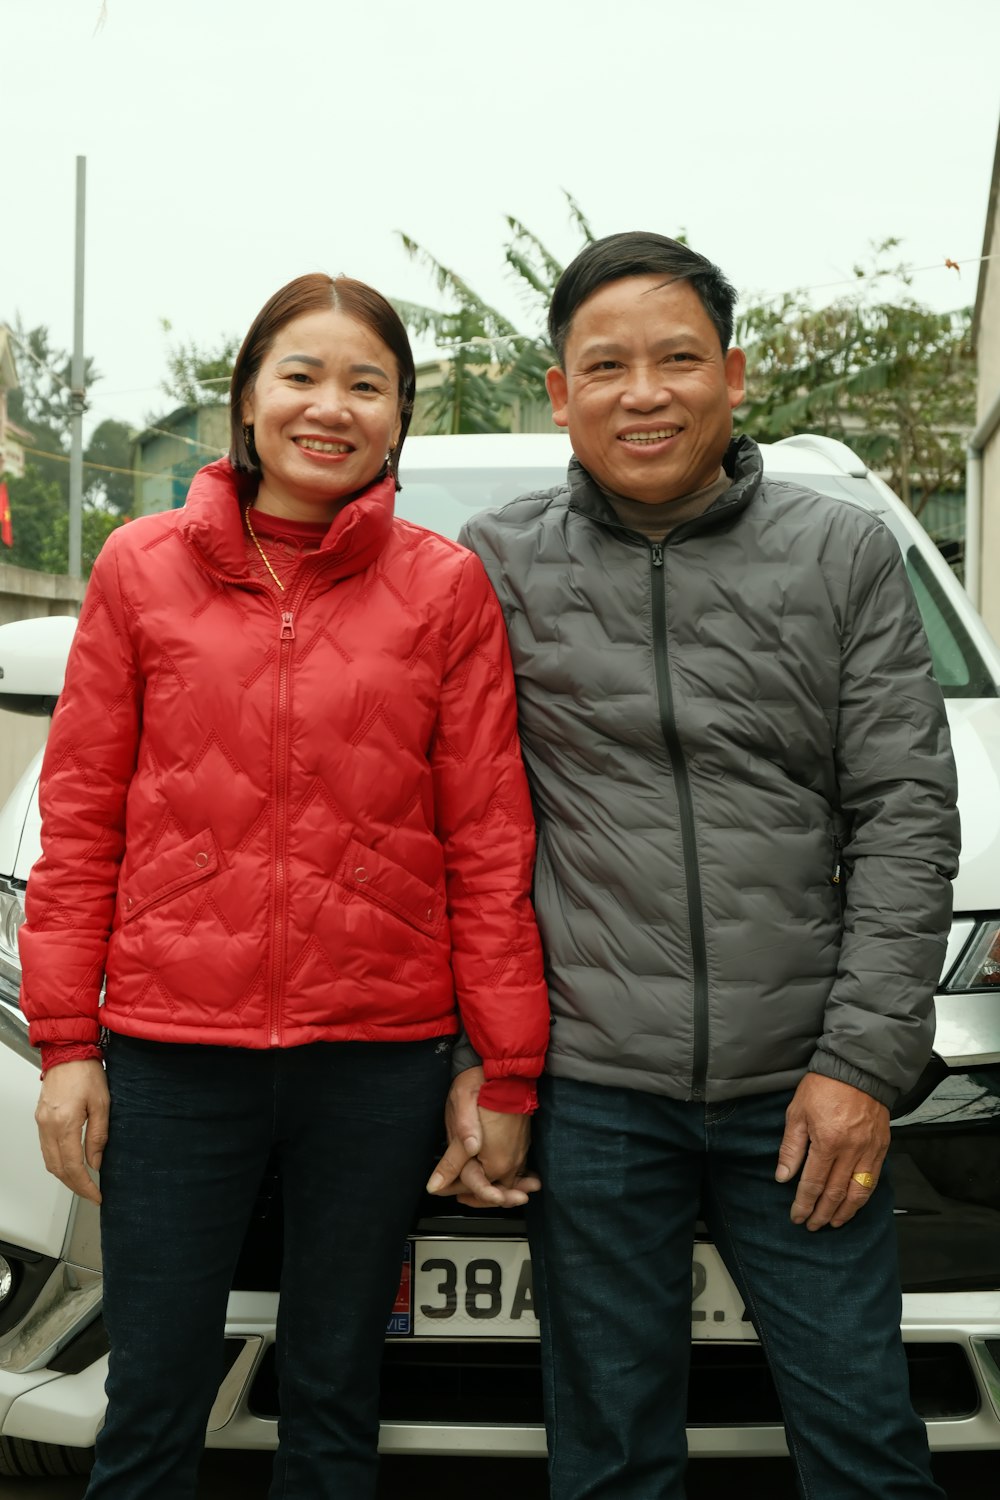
<point>611,1234</point>
<point>354,1126</point>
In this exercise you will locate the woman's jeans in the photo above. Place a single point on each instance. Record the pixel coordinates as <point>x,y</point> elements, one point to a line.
<point>353,1127</point>
<point>626,1174</point>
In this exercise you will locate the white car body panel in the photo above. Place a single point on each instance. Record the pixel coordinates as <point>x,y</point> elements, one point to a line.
<point>38,1201</point>
<point>68,1409</point>
<point>975,737</point>
<point>33,654</point>
<point>20,824</point>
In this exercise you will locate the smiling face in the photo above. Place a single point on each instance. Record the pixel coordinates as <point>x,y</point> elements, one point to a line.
<point>325,411</point>
<point>647,393</point>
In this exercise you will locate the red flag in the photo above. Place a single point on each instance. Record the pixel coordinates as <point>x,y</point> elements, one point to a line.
<point>6,529</point>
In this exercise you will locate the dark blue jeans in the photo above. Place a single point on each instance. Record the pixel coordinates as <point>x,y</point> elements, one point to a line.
<point>611,1241</point>
<point>355,1126</point>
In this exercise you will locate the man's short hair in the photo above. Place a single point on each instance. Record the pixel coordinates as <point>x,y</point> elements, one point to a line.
<point>639,253</point>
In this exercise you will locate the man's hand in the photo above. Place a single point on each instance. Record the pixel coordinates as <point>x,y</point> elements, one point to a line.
<point>74,1098</point>
<point>841,1134</point>
<point>483,1166</point>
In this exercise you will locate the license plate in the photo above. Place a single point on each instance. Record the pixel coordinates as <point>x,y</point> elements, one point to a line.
<point>453,1288</point>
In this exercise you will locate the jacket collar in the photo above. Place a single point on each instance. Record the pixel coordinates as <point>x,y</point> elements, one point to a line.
<point>742,462</point>
<point>212,523</point>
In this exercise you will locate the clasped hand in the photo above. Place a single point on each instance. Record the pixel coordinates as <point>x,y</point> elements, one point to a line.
<point>484,1165</point>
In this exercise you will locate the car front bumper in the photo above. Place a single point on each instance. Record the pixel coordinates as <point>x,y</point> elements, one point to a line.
<point>952,1343</point>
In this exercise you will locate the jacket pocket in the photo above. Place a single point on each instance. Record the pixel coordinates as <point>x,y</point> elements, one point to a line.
<point>372,875</point>
<point>172,871</point>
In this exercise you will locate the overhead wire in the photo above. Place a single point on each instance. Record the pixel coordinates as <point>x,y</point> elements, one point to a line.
<point>480,342</point>
<point>58,376</point>
<point>64,458</point>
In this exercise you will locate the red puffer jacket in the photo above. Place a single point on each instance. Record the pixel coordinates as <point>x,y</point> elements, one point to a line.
<point>274,821</point>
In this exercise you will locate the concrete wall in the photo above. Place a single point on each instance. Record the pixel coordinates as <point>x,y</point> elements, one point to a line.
<point>988,356</point>
<point>988,350</point>
<point>990,576</point>
<point>25,595</point>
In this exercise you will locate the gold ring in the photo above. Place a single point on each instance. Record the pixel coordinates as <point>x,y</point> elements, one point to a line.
<point>864,1179</point>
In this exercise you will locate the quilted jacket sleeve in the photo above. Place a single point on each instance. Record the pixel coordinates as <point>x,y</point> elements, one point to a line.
<point>898,794</point>
<point>89,761</point>
<point>485,824</point>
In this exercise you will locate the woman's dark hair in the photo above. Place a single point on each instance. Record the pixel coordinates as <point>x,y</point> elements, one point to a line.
<point>639,253</point>
<point>307,294</point>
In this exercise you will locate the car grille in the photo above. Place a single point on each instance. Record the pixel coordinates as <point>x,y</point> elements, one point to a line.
<point>501,1383</point>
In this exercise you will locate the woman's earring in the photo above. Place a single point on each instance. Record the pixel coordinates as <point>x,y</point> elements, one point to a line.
<point>248,441</point>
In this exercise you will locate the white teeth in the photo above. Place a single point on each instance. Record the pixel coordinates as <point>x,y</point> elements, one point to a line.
<point>650,437</point>
<point>318,446</point>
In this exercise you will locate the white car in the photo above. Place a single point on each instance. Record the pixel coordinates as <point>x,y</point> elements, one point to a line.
<point>461,1369</point>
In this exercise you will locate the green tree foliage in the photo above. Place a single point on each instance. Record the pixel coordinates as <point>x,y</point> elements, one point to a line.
<point>490,365</point>
<point>881,372</point>
<point>41,403</point>
<point>109,487</point>
<point>96,526</point>
<point>40,521</point>
<point>39,500</point>
<point>197,375</point>
<point>36,503</point>
<point>885,374</point>
<point>42,399</point>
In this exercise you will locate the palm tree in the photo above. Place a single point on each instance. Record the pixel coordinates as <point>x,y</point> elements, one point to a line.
<point>491,368</point>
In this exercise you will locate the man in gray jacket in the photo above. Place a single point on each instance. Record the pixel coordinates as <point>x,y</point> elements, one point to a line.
<point>747,830</point>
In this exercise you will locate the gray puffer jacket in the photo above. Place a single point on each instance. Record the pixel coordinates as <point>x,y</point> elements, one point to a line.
<point>744,786</point>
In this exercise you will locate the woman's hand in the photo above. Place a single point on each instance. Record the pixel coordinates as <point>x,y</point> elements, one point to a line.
<point>484,1165</point>
<point>74,1100</point>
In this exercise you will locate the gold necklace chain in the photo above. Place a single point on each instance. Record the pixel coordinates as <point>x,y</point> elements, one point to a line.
<point>263,554</point>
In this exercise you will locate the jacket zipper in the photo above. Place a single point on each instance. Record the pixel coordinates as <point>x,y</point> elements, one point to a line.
<point>282,735</point>
<point>279,853</point>
<point>685,808</point>
<point>279,829</point>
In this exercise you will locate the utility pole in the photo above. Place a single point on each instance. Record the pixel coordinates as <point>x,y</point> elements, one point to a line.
<point>77,399</point>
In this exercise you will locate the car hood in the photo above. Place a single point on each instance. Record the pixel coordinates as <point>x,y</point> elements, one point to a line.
<point>975,733</point>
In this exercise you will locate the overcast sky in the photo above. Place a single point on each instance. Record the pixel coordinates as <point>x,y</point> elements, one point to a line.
<point>234,144</point>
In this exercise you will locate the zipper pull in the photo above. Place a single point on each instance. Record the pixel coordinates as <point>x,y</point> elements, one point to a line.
<point>657,554</point>
<point>287,628</point>
<point>836,875</point>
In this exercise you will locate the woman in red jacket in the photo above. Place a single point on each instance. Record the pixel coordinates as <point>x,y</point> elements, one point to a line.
<point>285,824</point>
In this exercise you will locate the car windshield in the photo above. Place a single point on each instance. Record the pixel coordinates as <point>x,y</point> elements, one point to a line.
<point>444,499</point>
<point>958,666</point>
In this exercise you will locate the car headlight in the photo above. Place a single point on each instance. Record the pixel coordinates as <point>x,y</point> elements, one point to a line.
<point>11,917</point>
<point>978,967</point>
<point>6,1280</point>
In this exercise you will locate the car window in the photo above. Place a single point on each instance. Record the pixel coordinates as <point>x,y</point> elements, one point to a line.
<point>958,666</point>
<point>444,499</point>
